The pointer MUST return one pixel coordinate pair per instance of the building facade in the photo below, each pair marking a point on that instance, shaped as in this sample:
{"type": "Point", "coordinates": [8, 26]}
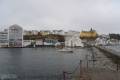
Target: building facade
{"type": "Point", "coordinates": [72, 39]}
{"type": "Point", "coordinates": [34, 39]}
{"type": "Point", "coordinates": [15, 36]}
{"type": "Point", "coordinates": [3, 39]}
{"type": "Point", "coordinates": [88, 37]}
{"type": "Point", "coordinates": [32, 32]}
{"type": "Point", "coordinates": [58, 32]}
{"type": "Point", "coordinates": [50, 42]}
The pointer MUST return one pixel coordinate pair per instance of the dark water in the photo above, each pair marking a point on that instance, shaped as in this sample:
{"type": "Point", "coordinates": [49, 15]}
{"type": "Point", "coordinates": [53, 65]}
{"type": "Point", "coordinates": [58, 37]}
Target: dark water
{"type": "Point", "coordinates": [35, 62]}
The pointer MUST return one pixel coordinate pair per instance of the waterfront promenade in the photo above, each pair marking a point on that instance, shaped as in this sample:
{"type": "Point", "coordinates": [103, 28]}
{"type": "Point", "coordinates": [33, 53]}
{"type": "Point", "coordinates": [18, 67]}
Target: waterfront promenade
{"type": "Point", "coordinates": [95, 65]}
{"type": "Point", "coordinates": [103, 68]}
{"type": "Point", "coordinates": [111, 53]}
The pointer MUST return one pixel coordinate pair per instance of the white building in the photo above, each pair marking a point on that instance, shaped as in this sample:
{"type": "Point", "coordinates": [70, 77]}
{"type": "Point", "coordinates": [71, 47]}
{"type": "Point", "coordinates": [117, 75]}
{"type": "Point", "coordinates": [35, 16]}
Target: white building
{"type": "Point", "coordinates": [32, 32]}
{"type": "Point", "coordinates": [3, 39]}
{"type": "Point", "coordinates": [39, 42]}
{"type": "Point", "coordinates": [102, 40]}
{"type": "Point", "coordinates": [72, 39]}
{"type": "Point", "coordinates": [58, 32]}
{"type": "Point", "coordinates": [26, 43]}
{"type": "Point", "coordinates": [15, 36]}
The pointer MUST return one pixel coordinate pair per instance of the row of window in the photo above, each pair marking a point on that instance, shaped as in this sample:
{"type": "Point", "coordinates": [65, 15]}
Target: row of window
{"type": "Point", "coordinates": [51, 41]}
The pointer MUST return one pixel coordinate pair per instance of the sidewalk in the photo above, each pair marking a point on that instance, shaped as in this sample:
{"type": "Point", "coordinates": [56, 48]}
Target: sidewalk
{"type": "Point", "coordinates": [99, 67]}
{"type": "Point", "coordinates": [102, 74]}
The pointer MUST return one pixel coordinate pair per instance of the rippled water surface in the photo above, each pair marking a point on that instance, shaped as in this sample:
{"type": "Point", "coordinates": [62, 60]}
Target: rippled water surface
{"type": "Point", "coordinates": [37, 61]}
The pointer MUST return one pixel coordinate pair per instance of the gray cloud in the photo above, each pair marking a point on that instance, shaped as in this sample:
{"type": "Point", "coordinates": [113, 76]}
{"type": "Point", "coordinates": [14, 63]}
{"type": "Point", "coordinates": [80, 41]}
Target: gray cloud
{"type": "Point", "coordinates": [103, 15]}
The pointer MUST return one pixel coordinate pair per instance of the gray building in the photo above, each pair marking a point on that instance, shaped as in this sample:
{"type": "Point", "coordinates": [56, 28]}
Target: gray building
{"type": "Point", "coordinates": [3, 39]}
{"type": "Point", "coordinates": [15, 34]}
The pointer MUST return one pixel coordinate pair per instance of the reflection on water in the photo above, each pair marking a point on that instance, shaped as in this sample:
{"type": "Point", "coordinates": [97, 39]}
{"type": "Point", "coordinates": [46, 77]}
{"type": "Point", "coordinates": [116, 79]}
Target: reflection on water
{"type": "Point", "coordinates": [34, 62]}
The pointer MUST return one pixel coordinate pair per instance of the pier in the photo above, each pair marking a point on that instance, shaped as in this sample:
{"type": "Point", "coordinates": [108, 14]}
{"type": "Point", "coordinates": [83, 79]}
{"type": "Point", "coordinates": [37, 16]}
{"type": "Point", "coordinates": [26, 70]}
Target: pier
{"type": "Point", "coordinates": [96, 65]}
{"type": "Point", "coordinates": [112, 54]}
{"type": "Point", "coordinates": [102, 65]}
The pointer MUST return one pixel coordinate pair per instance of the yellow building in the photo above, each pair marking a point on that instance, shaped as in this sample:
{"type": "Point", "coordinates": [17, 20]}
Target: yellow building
{"type": "Point", "coordinates": [88, 35]}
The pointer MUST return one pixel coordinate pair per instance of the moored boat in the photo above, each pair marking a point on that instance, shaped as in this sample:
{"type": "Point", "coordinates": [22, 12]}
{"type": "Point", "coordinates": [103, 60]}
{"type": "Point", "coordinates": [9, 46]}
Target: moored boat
{"type": "Point", "coordinates": [66, 50]}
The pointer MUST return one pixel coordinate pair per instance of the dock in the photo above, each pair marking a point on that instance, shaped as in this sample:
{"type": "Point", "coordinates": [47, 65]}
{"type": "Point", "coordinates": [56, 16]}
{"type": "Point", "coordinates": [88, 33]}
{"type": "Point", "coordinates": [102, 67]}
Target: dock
{"type": "Point", "coordinates": [110, 53]}
{"type": "Point", "coordinates": [98, 64]}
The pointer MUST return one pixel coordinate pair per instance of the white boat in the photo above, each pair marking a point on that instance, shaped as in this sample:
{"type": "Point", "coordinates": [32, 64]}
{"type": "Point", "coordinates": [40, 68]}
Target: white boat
{"type": "Point", "coordinates": [66, 50]}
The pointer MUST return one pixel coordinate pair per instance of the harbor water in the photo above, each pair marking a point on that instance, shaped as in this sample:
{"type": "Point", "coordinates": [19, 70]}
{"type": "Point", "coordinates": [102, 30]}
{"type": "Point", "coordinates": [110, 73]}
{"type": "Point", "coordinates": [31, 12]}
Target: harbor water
{"type": "Point", "coordinates": [37, 62]}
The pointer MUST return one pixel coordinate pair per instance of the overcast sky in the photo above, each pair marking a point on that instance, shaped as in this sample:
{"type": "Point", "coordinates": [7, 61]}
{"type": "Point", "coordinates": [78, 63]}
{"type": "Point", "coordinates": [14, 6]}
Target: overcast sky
{"type": "Point", "coordinates": [102, 15]}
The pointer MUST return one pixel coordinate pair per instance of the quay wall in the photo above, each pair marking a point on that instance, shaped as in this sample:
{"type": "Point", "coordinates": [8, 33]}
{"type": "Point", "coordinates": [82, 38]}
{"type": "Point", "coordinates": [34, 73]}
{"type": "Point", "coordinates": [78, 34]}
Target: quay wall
{"type": "Point", "coordinates": [31, 46]}
{"type": "Point", "coordinates": [112, 54]}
